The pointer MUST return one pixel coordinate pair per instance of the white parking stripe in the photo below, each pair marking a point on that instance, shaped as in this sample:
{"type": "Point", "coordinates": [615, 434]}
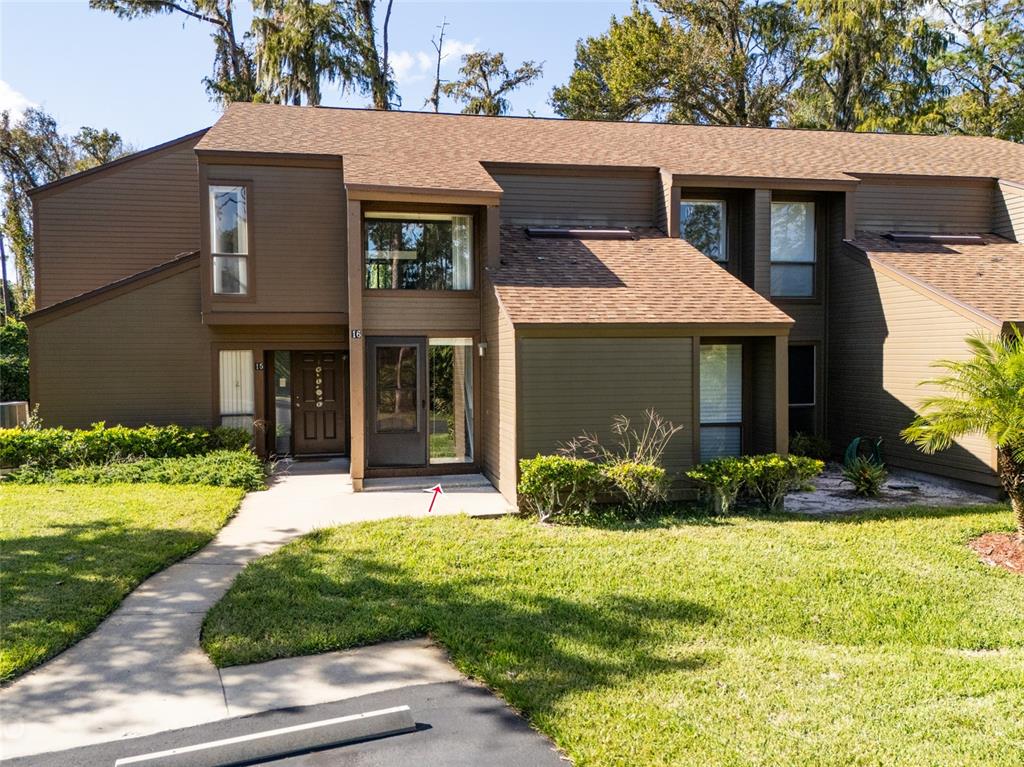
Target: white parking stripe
{"type": "Point", "coordinates": [142, 758]}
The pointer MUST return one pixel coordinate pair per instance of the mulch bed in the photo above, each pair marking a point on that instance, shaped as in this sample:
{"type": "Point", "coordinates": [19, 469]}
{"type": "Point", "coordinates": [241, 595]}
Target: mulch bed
{"type": "Point", "coordinates": [1000, 550]}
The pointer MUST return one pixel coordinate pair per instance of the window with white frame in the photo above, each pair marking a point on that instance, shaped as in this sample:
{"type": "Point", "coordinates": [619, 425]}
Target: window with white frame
{"type": "Point", "coordinates": [237, 388]}
{"type": "Point", "coordinates": [793, 249]}
{"type": "Point", "coordinates": [229, 240]}
{"type": "Point", "coordinates": [419, 251]}
{"type": "Point", "coordinates": [721, 400]}
{"type": "Point", "coordinates": [702, 224]}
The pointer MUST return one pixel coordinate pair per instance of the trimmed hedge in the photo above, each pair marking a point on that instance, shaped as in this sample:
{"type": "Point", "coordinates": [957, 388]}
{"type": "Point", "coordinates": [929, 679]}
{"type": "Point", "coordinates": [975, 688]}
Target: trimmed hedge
{"type": "Point", "coordinates": [553, 486]}
{"type": "Point", "coordinates": [62, 448]}
{"type": "Point", "coordinates": [224, 468]}
{"type": "Point", "coordinates": [766, 478]}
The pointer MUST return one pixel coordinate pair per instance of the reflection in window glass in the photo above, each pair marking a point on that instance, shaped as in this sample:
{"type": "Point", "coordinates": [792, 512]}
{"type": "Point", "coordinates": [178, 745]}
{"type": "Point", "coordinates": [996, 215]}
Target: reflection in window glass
{"type": "Point", "coordinates": [419, 253]}
{"type": "Point", "coordinates": [229, 275]}
{"type": "Point", "coordinates": [229, 239]}
{"type": "Point", "coordinates": [282, 402]}
{"type": "Point", "coordinates": [792, 249]}
{"type": "Point", "coordinates": [396, 389]}
{"type": "Point", "coordinates": [702, 224]}
{"type": "Point", "coordinates": [450, 362]}
{"type": "Point", "coordinates": [721, 400]}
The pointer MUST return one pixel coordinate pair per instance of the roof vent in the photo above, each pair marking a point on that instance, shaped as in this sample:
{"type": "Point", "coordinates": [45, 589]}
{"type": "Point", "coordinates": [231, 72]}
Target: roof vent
{"type": "Point", "coordinates": [945, 239]}
{"type": "Point", "coordinates": [578, 233]}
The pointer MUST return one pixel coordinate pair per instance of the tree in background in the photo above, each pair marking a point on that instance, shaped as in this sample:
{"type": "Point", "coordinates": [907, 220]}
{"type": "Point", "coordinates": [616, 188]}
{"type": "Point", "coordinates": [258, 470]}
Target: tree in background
{"type": "Point", "coordinates": [13, 361]}
{"type": "Point", "coordinates": [486, 80]}
{"type": "Point", "coordinates": [717, 62]}
{"type": "Point", "coordinates": [983, 69]}
{"type": "Point", "coordinates": [34, 152]}
{"type": "Point", "coordinates": [868, 68]}
{"type": "Point", "coordinates": [299, 43]}
{"type": "Point", "coordinates": [234, 68]}
{"type": "Point", "coordinates": [290, 49]}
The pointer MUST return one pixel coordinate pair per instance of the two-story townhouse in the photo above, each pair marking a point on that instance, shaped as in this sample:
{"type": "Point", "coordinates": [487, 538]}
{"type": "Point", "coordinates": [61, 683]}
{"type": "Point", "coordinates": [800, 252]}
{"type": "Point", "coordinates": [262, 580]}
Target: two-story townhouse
{"type": "Point", "coordinates": [441, 293]}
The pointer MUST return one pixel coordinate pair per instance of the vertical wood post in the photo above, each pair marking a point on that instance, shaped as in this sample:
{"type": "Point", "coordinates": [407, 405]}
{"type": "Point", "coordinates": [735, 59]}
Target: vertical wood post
{"type": "Point", "coordinates": [782, 394]}
{"type": "Point", "coordinates": [762, 241]}
{"type": "Point", "coordinates": [356, 346]}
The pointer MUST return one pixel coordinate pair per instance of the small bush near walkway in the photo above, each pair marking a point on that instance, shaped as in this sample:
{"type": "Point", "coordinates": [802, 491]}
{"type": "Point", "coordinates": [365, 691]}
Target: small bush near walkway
{"type": "Point", "coordinates": [224, 468]}
{"type": "Point", "coordinates": [61, 448]}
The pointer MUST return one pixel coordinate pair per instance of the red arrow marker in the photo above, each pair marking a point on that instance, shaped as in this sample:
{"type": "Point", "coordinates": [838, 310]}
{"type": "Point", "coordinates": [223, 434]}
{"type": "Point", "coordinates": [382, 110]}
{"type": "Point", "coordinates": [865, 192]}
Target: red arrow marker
{"type": "Point", "coordinates": [436, 490]}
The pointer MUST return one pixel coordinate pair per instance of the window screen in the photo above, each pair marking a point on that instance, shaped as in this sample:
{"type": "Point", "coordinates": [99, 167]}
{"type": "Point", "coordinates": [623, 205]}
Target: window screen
{"type": "Point", "coordinates": [801, 375]}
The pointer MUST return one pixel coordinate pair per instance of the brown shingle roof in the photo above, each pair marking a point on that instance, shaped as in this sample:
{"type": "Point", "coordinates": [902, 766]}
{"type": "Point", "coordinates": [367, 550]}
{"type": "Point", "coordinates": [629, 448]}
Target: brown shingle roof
{"type": "Point", "coordinates": [986, 278]}
{"type": "Point", "coordinates": [445, 151]}
{"type": "Point", "coordinates": [646, 280]}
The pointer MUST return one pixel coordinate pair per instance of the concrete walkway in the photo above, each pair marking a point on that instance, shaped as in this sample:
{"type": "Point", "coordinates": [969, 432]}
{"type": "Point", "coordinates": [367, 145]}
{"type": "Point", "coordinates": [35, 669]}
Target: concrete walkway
{"type": "Point", "coordinates": [142, 671]}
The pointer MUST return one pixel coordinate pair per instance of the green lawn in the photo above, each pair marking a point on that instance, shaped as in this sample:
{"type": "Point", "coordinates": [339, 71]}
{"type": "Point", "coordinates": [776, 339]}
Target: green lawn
{"type": "Point", "coordinates": [70, 553]}
{"type": "Point", "coordinates": [879, 640]}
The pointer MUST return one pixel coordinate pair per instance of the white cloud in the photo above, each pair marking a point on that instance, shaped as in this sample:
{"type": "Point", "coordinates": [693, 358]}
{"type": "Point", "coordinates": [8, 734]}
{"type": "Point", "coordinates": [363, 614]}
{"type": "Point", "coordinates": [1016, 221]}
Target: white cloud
{"type": "Point", "coordinates": [13, 102]}
{"type": "Point", "coordinates": [417, 66]}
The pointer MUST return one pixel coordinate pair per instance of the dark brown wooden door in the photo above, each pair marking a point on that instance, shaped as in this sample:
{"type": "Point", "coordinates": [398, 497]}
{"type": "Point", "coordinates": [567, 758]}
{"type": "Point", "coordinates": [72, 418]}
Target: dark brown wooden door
{"type": "Point", "coordinates": [318, 402]}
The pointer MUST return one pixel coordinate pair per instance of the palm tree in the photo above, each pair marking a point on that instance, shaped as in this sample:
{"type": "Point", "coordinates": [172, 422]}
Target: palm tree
{"type": "Point", "coordinates": [985, 393]}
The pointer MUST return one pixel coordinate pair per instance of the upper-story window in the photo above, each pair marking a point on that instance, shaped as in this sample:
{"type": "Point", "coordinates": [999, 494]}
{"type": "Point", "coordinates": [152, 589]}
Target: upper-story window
{"type": "Point", "coordinates": [793, 252]}
{"type": "Point", "coordinates": [702, 224]}
{"type": "Point", "coordinates": [229, 240]}
{"type": "Point", "coordinates": [419, 251]}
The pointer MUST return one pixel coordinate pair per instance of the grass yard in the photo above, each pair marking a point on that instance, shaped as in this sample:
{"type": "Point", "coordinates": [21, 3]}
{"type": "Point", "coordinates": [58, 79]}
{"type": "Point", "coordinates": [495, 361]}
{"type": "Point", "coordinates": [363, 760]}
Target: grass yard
{"type": "Point", "coordinates": [70, 553]}
{"type": "Point", "coordinates": [879, 640]}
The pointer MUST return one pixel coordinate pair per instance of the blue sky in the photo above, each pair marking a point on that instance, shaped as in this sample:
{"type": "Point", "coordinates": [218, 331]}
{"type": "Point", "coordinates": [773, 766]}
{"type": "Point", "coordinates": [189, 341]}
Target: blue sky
{"type": "Point", "coordinates": [142, 78]}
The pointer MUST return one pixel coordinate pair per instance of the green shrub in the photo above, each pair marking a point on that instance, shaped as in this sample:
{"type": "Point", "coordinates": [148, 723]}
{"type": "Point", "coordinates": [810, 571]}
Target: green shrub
{"type": "Point", "coordinates": [720, 480]}
{"type": "Point", "coordinates": [770, 477]}
{"type": "Point", "coordinates": [640, 486]}
{"type": "Point", "coordinates": [553, 486]}
{"type": "Point", "coordinates": [225, 468]}
{"type": "Point", "coordinates": [13, 361]}
{"type": "Point", "coordinates": [62, 448]}
{"type": "Point", "coordinates": [866, 476]}
{"type": "Point", "coordinates": [810, 446]}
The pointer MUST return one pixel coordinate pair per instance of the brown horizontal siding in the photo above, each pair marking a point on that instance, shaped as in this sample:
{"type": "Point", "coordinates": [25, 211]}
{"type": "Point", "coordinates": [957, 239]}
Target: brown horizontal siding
{"type": "Point", "coordinates": [111, 225]}
{"type": "Point", "coordinates": [883, 338]}
{"type": "Point", "coordinates": [140, 357]}
{"type": "Point", "coordinates": [298, 231]}
{"type": "Point", "coordinates": [498, 394]}
{"type": "Point", "coordinates": [943, 207]}
{"type": "Point", "coordinates": [410, 311]}
{"type": "Point", "coordinates": [580, 200]}
{"type": "Point", "coordinates": [1008, 220]}
{"type": "Point", "coordinates": [568, 385]}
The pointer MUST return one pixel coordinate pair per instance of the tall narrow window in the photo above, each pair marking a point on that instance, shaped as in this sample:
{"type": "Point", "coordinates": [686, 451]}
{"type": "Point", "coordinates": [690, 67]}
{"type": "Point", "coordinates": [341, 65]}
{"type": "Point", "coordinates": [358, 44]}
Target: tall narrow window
{"type": "Point", "coordinates": [702, 224]}
{"type": "Point", "coordinates": [793, 251]}
{"type": "Point", "coordinates": [237, 389]}
{"type": "Point", "coordinates": [802, 385]}
{"type": "Point", "coordinates": [721, 400]}
{"type": "Point", "coordinates": [229, 240]}
{"type": "Point", "coordinates": [451, 400]}
{"type": "Point", "coordinates": [419, 251]}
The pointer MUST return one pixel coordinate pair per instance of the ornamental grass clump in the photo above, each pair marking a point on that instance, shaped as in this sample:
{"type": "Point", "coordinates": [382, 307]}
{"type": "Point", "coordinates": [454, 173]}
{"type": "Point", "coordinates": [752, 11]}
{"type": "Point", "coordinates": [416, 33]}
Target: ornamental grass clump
{"type": "Point", "coordinates": [632, 464]}
{"type": "Point", "coordinates": [866, 475]}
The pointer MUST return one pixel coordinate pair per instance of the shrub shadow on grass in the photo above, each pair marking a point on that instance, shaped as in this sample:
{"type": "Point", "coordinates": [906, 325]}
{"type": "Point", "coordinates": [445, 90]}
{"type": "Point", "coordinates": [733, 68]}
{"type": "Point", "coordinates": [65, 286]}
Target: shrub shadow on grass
{"type": "Point", "coordinates": [894, 513]}
{"type": "Point", "coordinates": [59, 587]}
{"type": "Point", "coordinates": [537, 648]}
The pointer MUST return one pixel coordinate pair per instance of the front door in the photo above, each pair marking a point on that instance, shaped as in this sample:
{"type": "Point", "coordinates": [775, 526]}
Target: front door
{"type": "Point", "coordinates": [396, 401]}
{"type": "Point", "coordinates": [318, 403]}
